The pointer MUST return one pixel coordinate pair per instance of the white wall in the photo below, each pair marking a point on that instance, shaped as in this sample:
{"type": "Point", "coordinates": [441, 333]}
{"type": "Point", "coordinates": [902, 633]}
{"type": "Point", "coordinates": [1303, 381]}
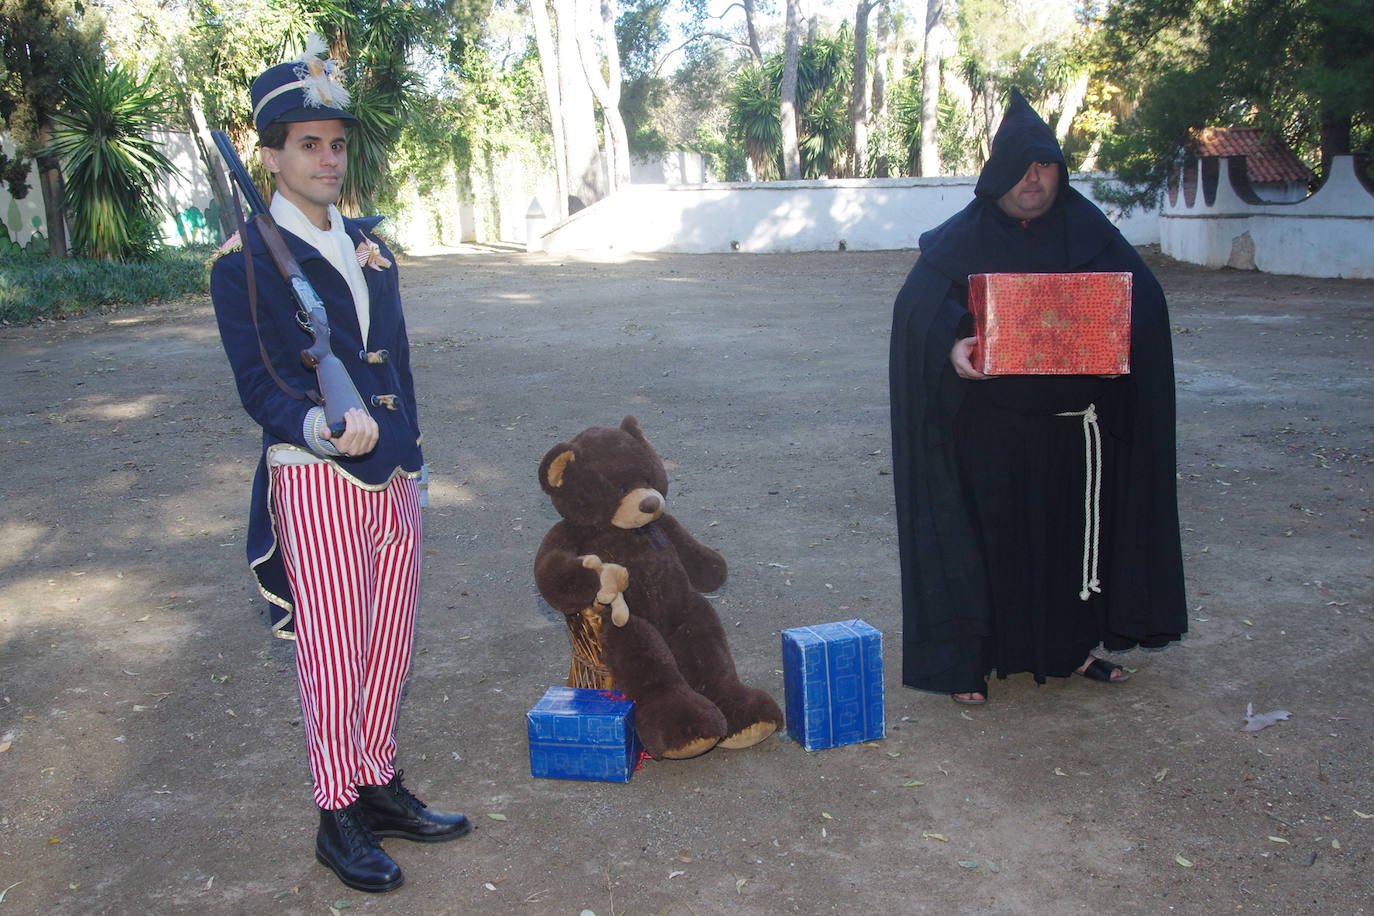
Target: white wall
{"type": "Point", "coordinates": [188, 188]}
{"type": "Point", "coordinates": [672, 167]}
{"type": "Point", "coordinates": [1330, 234]}
{"type": "Point", "coordinates": [187, 193]}
{"type": "Point", "coordinates": [858, 214]}
{"type": "Point", "coordinates": [19, 215]}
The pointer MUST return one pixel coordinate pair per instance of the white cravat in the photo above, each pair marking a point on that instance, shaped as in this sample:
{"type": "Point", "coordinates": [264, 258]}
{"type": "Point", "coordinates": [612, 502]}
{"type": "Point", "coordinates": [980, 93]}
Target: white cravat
{"type": "Point", "coordinates": [336, 247]}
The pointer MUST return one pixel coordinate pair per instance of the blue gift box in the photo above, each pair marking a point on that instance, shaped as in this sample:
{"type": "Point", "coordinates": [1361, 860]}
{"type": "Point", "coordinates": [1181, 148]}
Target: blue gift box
{"type": "Point", "coordinates": [833, 676]}
{"type": "Point", "coordinates": [583, 734]}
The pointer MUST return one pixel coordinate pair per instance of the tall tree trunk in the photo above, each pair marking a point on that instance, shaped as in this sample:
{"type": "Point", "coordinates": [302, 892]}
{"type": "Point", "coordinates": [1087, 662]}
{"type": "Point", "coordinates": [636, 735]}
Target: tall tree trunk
{"type": "Point", "coordinates": [882, 166]}
{"type": "Point", "coordinates": [585, 184]}
{"type": "Point", "coordinates": [858, 92]}
{"type": "Point", "coordinates": [787, 108]}
{"type": "Point", "coordinates": [929, 162]}
{"type": "Point", "coordinates": [750, 15]}
{"type": "Point", "coordinates": [606, 89]}
{"type": "Point", "coordinates": [1089, 163]}
{"type": "Point", "coordinates": [1335, 139]}
{"type": "Point", "coordinates": [54, 193]}
{"type": "Point", "coordinates": [493, 177]}
{"type": "Point", "coordinates": [548, 66]}
{"type": "Point", "coordinates": [985, 99]}
{"type": "Point", "coordinates": [219, 187]}
{"type": "Point", "coordinates": [614, 81]}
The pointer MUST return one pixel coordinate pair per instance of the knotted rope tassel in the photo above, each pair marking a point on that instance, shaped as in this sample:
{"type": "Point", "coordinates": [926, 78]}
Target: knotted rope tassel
{"type": "Point", "coordinates": [1092, 498]}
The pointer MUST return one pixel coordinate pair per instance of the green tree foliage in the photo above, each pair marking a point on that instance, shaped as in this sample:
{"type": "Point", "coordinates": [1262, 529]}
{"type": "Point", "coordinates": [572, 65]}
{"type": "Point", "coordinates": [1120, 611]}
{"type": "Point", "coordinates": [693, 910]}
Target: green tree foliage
{"type": "Point", "coordinates": [502, 94]}
{"type": "Point", "coordinates": [684, 109]}
{"type": "Point", "coordinates": [955, 135]}
{"type": "Point", "coordinates": [641, 31]}
{"type": "Point", "coordinates": [14, 173]}
{"type": "Point", "coordinates": [375, 39]}
{"type": "Point", "coordinates": [824, 72]}
{"type": "Point", "coordinates": [1028, 44]}
{"type": "Point", "coordinates": [112, 168]}
{"type": "Point", "coordinates": [696, 113]}
{"type": "Point", "coordinates": [753, 103]}
{"type": "Point", "coordinates": [476, 121]}
{"type": "Point", "coordinates": [214, 49]}
{"type": "Point", "coordinates": [41, 41]}
{"type": "Point", "coordinates": [1301, 68]}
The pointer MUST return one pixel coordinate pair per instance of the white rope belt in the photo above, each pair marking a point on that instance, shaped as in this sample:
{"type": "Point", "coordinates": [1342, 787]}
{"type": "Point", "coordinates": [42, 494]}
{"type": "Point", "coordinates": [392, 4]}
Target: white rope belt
{"type": "Point", "coordinates": [1092, 498]}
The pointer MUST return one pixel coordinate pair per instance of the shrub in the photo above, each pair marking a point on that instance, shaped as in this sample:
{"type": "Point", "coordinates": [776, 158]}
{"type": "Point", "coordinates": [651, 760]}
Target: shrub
{"type": "Point", "coordinates": [34, 288]}
{"type": "Point", "coordinates": [112, 168]}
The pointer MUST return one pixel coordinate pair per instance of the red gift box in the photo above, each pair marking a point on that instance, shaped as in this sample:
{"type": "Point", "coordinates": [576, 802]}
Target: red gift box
{"type": "Point", "coordinates": [1051, 324]}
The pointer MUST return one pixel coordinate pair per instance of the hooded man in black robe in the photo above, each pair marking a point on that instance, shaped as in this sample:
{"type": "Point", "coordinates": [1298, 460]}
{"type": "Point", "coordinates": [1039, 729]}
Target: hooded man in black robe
{"type": "Point", "coordinates": [1014, 556]}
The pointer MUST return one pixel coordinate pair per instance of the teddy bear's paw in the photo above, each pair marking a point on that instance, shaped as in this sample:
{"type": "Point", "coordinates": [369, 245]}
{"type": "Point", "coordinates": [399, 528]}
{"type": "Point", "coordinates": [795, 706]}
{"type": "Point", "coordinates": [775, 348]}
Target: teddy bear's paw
{"type": "Point", "coordinates": [612, 579]}
{"type": "Point", "coordinates": [691, 749]}
{"type": "Point", "coordinates": [748, 737]}
{"type": "Point", "coordinates": [677, 723]}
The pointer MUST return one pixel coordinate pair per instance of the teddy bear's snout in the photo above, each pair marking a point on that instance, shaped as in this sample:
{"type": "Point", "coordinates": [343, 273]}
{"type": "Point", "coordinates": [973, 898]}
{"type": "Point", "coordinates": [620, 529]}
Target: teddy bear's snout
{"type": "Point", "coordinates": [638, 508]}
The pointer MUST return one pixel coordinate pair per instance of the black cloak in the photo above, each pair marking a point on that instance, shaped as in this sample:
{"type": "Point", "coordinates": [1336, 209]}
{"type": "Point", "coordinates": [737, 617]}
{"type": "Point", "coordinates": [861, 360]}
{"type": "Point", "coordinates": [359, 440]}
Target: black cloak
{"type": "Point", "coordinates": [947, 603]}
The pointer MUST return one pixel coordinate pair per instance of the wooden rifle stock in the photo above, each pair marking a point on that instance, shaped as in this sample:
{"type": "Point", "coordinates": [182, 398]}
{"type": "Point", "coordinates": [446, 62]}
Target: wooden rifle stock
{"type": "Point", "coordinates": [337, 391]}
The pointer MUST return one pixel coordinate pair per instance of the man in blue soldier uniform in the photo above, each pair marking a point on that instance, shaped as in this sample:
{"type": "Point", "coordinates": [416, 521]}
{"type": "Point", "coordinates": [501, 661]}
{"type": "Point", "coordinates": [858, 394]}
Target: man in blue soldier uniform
{"type": "Point", "coordinates": [334, 535]}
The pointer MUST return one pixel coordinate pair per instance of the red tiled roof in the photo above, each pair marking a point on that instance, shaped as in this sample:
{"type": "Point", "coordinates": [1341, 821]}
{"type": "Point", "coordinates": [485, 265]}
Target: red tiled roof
{"type": "Point", "coordinates": [1266, 156]}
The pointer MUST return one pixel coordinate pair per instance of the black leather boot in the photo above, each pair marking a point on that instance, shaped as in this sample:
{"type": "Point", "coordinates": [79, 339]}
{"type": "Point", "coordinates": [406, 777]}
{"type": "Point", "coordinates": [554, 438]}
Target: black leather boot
{"type": "Point", "coordinates": [346, 846]}
{"type": "Point", "coordinates": [391, 810]}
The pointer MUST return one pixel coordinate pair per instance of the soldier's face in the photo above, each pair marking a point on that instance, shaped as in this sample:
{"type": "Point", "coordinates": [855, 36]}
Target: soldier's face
{"type": "Point", "coordinates": [309, 168]}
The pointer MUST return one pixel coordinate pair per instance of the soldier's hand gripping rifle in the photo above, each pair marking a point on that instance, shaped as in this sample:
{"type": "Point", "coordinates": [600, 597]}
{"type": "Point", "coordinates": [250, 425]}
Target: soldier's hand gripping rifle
{"type": "Point", "coordinates": [337, 393]}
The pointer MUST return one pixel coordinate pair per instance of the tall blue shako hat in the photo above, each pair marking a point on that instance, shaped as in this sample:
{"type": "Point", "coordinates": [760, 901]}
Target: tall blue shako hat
{"type": "Point", "coordinates": [309, 88]}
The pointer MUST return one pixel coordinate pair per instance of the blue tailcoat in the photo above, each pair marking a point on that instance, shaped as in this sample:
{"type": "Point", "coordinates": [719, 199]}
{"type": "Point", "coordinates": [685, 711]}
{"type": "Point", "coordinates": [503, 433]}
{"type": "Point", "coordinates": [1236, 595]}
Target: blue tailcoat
{"type": "Point", "coordinates": [281, 416]}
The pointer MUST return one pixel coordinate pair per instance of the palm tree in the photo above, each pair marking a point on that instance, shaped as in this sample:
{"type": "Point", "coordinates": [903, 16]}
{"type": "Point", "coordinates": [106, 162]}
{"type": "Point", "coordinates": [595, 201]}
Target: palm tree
{"type": "Point", "coordinates": [754, 122]}
{"type": "Point", "coordinates": [824, 76]}
{"type": "Point", "coordinates": [824, 73]}
{"type": "Point", "coordinates": [112, 168]}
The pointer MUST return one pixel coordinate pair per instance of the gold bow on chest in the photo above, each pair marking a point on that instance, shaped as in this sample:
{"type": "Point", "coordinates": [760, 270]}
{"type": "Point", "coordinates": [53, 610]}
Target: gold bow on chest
{"type": "Point", "coordinates": [370, 255]}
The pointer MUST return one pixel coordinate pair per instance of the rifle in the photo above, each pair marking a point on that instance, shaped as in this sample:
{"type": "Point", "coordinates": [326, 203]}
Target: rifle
{"type": "Point", "coordinates": [337, 393]}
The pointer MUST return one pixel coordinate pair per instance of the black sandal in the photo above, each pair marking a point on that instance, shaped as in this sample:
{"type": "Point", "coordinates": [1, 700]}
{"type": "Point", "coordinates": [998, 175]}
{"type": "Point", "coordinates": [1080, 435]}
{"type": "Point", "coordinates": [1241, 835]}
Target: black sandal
{"type": "Point", "coordinates": [1099, 669]}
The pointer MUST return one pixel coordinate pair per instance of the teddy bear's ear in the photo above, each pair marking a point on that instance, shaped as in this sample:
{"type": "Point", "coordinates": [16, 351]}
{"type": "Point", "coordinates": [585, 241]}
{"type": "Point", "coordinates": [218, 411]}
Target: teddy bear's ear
{"type": "Point", "coordinates": [631, 426]}
{"type": "Point", "coordinates": [554, 466]}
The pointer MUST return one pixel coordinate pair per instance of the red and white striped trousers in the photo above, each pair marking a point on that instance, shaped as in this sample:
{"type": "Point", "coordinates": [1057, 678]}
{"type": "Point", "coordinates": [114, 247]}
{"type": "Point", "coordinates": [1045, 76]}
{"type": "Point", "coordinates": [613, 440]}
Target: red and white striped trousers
{"type": "Point", "coordinates": [352, 557]}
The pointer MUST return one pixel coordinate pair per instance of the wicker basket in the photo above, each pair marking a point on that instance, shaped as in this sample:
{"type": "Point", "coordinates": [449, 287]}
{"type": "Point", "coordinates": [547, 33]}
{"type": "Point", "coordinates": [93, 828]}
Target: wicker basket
{"type": "Point", "coordinates": [584, 632]}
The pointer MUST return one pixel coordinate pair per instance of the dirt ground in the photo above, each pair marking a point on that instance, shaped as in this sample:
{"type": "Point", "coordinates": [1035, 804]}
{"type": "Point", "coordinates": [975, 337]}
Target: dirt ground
{"type": "Point", "coordinates": [151, 757]}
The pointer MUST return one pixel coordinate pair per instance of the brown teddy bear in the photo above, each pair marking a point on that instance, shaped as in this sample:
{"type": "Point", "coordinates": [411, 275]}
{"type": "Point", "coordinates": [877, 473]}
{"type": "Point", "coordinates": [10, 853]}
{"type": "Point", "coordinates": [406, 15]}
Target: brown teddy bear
{"type": "Point", "coordinates": [660, 638]}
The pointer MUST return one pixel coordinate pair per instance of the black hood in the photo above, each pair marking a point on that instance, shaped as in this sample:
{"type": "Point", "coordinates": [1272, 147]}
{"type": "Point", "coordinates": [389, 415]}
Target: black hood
{"type": "Point", "coordinates": [1022, 138]}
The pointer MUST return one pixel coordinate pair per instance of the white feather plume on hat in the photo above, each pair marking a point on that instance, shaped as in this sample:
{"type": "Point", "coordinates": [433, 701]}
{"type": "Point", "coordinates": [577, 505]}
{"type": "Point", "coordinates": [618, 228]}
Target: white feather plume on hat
{"type": "Point", "coordinates": [321, 76]}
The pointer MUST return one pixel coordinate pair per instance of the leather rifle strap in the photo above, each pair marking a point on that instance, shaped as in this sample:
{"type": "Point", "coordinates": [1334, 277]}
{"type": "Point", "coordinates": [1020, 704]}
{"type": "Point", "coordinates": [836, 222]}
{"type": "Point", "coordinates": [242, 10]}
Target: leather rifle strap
{"type": "Point", "coordinates": [253, 308]}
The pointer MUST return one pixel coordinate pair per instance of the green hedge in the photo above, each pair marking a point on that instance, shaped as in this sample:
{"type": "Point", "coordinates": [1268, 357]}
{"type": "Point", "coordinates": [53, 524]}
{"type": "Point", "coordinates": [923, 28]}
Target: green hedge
{"type": "Point", "coordinates": [33, 287]}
